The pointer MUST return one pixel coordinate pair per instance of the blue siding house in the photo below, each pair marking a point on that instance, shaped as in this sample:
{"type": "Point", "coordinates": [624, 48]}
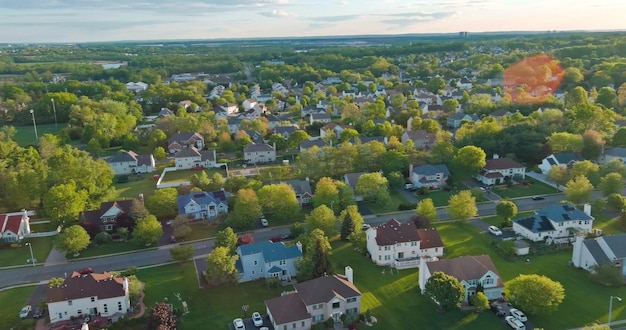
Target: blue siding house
{"type": "Point", "coordinates": [203, 205]}
{"type": "Point", "coordinates": [267, 259]}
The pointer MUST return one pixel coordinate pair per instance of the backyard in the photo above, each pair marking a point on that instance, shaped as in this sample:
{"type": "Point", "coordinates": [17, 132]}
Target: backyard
{"type": "Point", "coordinates": [11, 301]}
{"type": "Point", "coordinates": [396, 201]}
{"type": "Point", "coordinates": [185, 175]}
{"type": "Point", "coordinates": [135, 186]}
{"type": "Point", "coordinates": [25, 135]}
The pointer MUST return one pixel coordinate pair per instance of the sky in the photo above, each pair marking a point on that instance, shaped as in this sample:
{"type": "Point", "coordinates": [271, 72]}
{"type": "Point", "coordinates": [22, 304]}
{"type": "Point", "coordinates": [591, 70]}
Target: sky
{"type": "Point", "coordinates": [69, 21]}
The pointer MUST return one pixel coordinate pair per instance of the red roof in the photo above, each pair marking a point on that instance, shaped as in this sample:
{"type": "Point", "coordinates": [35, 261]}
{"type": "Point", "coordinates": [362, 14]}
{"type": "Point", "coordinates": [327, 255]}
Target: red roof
{"type": "Point", "coordinates": [502, 164]}
{"type": "Point", "coordinates": [393, 232]}
{"type": "Point", "coordinates": [10, 223]}
{"type": "Point", "coordinates": [429, 238]}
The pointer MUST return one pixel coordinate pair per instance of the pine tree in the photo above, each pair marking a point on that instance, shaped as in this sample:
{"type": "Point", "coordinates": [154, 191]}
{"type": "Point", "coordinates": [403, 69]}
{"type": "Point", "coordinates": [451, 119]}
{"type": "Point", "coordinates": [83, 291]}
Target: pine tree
{"type": "Point", "coordinates": [347, 227]}
{"type": "Point", "coordinates": [319, 254]}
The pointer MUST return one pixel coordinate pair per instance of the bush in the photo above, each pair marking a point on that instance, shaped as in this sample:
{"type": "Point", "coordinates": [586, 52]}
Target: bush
{"type": "Point", "coordinates": [330, 322]}
{"type": "Point", "coordinates": [425, 191]}
{"type": "Point", "coordinates": [407, 206]}
{"type": "Point", "coordinates": [506, 249]}
{"type": "Point", "coordinates": [506, 224]}
{"type": "Point", "coordinates": [607, 274]}
{"type": "Point", "coordinates": [103, 238]}
{"type": "Point", "coordinates": [130, 271]}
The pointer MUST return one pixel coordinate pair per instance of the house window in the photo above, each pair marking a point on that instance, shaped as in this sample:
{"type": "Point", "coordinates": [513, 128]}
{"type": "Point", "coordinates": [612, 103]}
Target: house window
{"type": "Point", "coordinates": [387, 257]}
{"type": "Point", "coordinates": [380, 248]}
{"type": "Point", "coordinates": [255, 262]}
{"type": "Point", "coordinates": [413, 243]}
{"type": "Point", "coordinates": [352, 311]}
{"type": "Point", "coordinates": [285, 327]}
{"type": "Point", "coordinates": [302, 324]}
{"type": "Point", "coordinates": [293, 325]}
{"type": "Point", "coordinates": [351, 300]}
{"type": "Point", "coordinates": [380, 258]}
{"type": "Point", "coordinates": [488, 280]}
{"type": "Point", "coordinates": [317, 318]}
{"type": "Point", "coordinates": [69, 303]}
{"type": "Point", "coordinates": [106, 308]}
{"type": "Point", "coordinates": [282, 262]}
{"type": "Point", "coordinates": [252, 272]}
{"type": "Point", "coordinates": [119, 305]}
{"type": "Point", "coordinates": [80, 311]}
{"type": "Point", "coordinates": [93, 299]}
{"type": "Point", "coordinates": [108, 227]}
{"type": "Point", "coordinates": [336, 305]}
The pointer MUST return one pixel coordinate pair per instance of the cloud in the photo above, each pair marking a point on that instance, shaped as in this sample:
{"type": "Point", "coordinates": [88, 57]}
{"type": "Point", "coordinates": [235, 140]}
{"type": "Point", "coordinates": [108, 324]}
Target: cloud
{"type": "Point", "coordinates": [279, 13]}
{"type": "Point", "coordinates": [404, 19]}
{"type": "Point", "coordinates": [339, 18]}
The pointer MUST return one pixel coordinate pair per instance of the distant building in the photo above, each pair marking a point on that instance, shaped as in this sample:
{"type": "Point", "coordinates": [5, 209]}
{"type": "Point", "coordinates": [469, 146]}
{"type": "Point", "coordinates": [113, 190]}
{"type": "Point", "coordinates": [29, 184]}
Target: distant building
{"type": "Point", "coordinates": [130, 162]}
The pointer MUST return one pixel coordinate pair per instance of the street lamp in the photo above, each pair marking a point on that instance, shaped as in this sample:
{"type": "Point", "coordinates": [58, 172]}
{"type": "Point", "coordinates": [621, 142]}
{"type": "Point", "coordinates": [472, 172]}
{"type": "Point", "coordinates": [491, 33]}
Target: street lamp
{"type": "Point", "coordinates": [611, 307]}
{"type": "Point", "coordinates": [32, 112]}
{"type": "Point", "coordinates": [54, 109]}
{"type": "Point", "coordinates": [32, 258]}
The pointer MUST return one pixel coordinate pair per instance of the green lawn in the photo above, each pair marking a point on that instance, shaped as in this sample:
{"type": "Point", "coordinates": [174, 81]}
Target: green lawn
{"type": "Point", "coordinates": [109, 248]}
{"type": "Point", "coordinates": [19, 255]}
{"type": "Point", "coordinates": [609, 225]}
{"type": "Point", "coordinates": [132, 189]}
{"type": "Point", "coordinates": [535, 188]}
{"type": "Point", "coordinates": [201, 230]}
{"type": "Point", "coordinates": [185, 175]}
{"type": "Point", "coordinates": [497, 221]}
{"type": "Point", "coordinates": [440, 197]}
{"type": "Point", "coordinates": [11, 301]}
{"type": "Point", "coordinates": [396, 200]}
{"type": "Point", "coordinates": [25, 135]}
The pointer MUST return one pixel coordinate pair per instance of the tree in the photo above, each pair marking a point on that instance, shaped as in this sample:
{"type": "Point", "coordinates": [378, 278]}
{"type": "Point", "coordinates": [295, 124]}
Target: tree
{"type": "Point", "coordinates": [611, 183]}
{"type": "Point", "coordinates": [444, 289]}
{"type": "Point", "coordinates": [563, 141]}
{"type": "Point", "coordinates": [480, 301]}
{"type": "Point", "coordinates": [592, 144]}
{"type": "Point", "coordinates": [55, 282]}
{"type": "Point", "coordinates": [559, 175]}
{"type": "Point", "coordinates": [322, 218]}
{"type": "Point", "coordinates": [578, 190]}
{"type": "Point", "coordinates": [220, 266]}
{"type": "Point", "coordinates": [157, 138]}
{"type": "Point", "coordinates": [148, 230]}
{"type": "Point", "coordinates": [436, 84]}
{"type": "Point", "coordinates": [319, 247]}
{"type": "Point", "coordinates": [181, 226]}
{"type": "Point", "coordinates": [278, 201]}
{"type": "Point", "coordinates": [535, 294]}
{"type": "Point", "coordinates": [72, 240]}
{"type": "Point", "coordinates": [607, 274]}
{"type": "Point", "coordinates": [326, 193]}
{"type": "Point", "coordinates": [373, 187]}
{"type": "Point", "coordinates": [471, 157]}
{"type": "Point", "coordinates": [63, 203]}
{"type": "Point", "coordinates": [159, 153]}
{"type": "Point", "coordinates": [246, 210]}
{"type": "Point", "coordinates": [462, 205]}
{"type": "Point", "coordinates": [506, 209]}
{"type": "Point", "coordinates": [138, 210]}
{"type": "Point", "coordinates": [161, 318]}
{"type": "Point", "coordinates": [607, 97]}
{"type": "Point", "coordinates": [163, 203]}
{"type": "Point", "coordinates": [226, 238]}
{"type": "Point", "coordinates": [426, 208]}
{"type": "Point", "coordinates": [181, 253]}
{"type": "Point", "coordinates": [450, 104]}
{"type": "Point", "coordinates": [351, 221]}
{"type": "Point", "coordinates": [616, 201]}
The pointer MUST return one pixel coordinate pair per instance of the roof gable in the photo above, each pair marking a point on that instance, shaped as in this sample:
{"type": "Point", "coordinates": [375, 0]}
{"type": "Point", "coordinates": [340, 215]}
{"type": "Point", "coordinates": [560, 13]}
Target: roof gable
{"type": "Point", "coordinates": [393, 232]}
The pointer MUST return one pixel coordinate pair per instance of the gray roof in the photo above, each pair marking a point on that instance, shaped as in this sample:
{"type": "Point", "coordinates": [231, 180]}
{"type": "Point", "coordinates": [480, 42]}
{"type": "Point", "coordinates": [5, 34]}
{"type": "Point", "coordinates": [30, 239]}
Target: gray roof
{"type": "Point", "coordinates": [617, 243]}
{"type": "Point", "coordinates": [615, 152]}
{"type": "Point", "coordinates": [542, 220]}
{"type": "Point", "coordinates": [353, 178]}
{"type": "Point", "coordinates": [271, 251]}
{"type": "Point", "coordinates": [300, 186]}
{"type": "Point", "coordinates": [596, 251]}
{"type": "Point", "coordinates": [428, 169]}
{"type": "Point", "coordinates": [187, 152]}
{"type": "Point", "coordinates": [567, 157]}
{"type": "Point", "coordinates": [184, 136]}
{"type": "Point", "coordinates": [306, 144]}
{"type": "Point", "coordinates": [320, 116]}
{"type": "Point", "coordinates": [122, 157]}
{"type": "Point", "coordinates": [254, 147]}
{"type": "Point", "coordinates": [207, 154]}
{"type": "Point", "coordinates": [284, 129]}
{"type": "Point", "coordinates": [462, 116]}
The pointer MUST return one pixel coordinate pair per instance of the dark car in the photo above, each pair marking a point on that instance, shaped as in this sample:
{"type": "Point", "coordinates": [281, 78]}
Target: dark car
{"type": "Point", "coordinates": [85, 271]}
{"type": "Point", "coordinates": [537, 198]}
{"type": "Point", "coordinates": [276, 239]}
{"type": "Point", "coordinates": [38, 313]}
{"type": "Point", "coordinates": [499, 310]}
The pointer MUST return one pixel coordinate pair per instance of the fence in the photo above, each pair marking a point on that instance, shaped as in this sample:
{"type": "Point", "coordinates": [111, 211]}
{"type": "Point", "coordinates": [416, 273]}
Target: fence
{"type": "Point", "coordinates": [160, 185]}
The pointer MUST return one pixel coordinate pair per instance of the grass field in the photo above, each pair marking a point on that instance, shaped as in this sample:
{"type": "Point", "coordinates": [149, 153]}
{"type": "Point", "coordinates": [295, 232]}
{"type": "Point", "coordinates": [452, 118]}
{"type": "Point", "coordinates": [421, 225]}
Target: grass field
{"type": "Point", "coordinates": [25, 135]}
{"type": "Point", "coordinates": [132, 189]}
{"type": "Point", "coordinates": [535, 188]}
{"type": "Point", "coordinates": [185, 175]}
{"type": "Point", "coordinates": [109, 248]}
{"type": "Point", "coordinates": [11, 301]}
{"type": "Point", "coordinates": [19, 255]}
{"type": "Point", "coordinates": [497, 221]}
{"type": "Point", "coordinates": [396, 200]}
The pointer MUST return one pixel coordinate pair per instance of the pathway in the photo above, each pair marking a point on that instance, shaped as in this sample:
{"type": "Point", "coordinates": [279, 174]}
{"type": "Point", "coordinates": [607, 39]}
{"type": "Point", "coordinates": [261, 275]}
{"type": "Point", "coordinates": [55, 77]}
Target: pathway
{"type": "Point", "coordinates": [142, 306]}
{"type": "Point", "coordinates": [55, 257]}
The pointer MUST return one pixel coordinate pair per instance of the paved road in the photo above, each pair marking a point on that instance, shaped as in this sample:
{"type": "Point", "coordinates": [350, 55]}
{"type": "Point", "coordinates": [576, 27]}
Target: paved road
{"type": "Point", "coordinates": [29, 275]}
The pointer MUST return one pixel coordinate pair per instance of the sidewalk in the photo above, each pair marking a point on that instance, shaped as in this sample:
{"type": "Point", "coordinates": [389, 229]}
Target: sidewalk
{"type": "Point", "coordinates": [613, 323]}
{"type": "Point", "coordinates": [542, 178]}
{"type": "Point", "coordinates": [55, 258]}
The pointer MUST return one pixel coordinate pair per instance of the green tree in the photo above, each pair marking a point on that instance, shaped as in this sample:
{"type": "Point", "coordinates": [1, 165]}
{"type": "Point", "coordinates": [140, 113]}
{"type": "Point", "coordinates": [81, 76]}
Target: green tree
{"type": "Point", "coordinates": [592, 144]}
{"type": "Point", "coordinates": [506, 209]}
{"type": "Point", "coordinates": [278, 201]}
{"type": "Point", "coordinates": [373, 187]}
{"type": "Point", "coordinates": [163, 203]}
{"type": "Point", "coordinates": [578, 190]}
{"type": "Point", "coordinates": [462, 205]}
{"type": "Point", "coordinates": [616, 202]}
{"type": "Point", "coordinates": [63, 203]}
{"type": "Point", "coordinates": [619, 138]}
{"type": "Point", "coordinates": [445, 290]}
{"type": "Point", "coordinates": [138, 210]}
{"type": "Point", "coordinates": [450, 104]}
{"type": "Point", "coordinates": [471, 157]}
{"type": "Point", "coordinates": [426, 208]}
{"type": "Point", "coordinates": [393, 161]}
{"type": "Point", "coordinates": [220, 266]}
{"type": "Point", "coordinates": [319, 247]}
{"type": "Point", "coordinates": [611, 183]}
{"type": "Point", "coordinates": [351, 221]}
{"type": "Point", "coordinates": [480, 301]}
{"type": "Point", "coordinates": [157, 138]}
{"type": "Point", "coordinates": [227, 238]}
{"type": "Point", "coordinates": [159, 153]}
{"type": "Point", "coordinates": [607, 97]}
{"type": "Point", "coordinates": [326, 193]}
{"type": "Point", "coordinates": [72, 240]}
{"type": "Point", "coordinates": [559, 175]}
{"type": "Point", "coordinates": [246, 210]}
{"type": "Point", "coordinates": [563, 141]}
{"type": "Point", "coordinates": [608, 274]}
{"type": "Point", "coordinates": [322, 218]}
{"type": "Point", "coordinates": [535, 294]}
{"type": "Point", "coordinates": [148, 230]}
{"type": "Point", "coordinates": [436, 84]}
{"type": "Point", "coordinates": [181, 253]}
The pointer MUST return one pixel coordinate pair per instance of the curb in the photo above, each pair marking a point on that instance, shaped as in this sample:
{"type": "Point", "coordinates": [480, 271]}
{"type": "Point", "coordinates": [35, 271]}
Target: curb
{"type": "Point", "coordinates": [111, 255]}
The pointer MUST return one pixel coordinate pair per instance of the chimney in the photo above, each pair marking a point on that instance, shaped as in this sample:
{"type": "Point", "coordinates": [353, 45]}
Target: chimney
{"type": "Point", "coordinates": [587, 209]}
{"type": "Point", "coordinates": [411, 173]}
{"type": "Point", "coordinates": [299, 245]}
{"type": "Point", "coordinates": [349, 274]}
{"type": "Point", "coordinates": [496, 156]}
{"type": "Point", "coordinates": [25, 221]}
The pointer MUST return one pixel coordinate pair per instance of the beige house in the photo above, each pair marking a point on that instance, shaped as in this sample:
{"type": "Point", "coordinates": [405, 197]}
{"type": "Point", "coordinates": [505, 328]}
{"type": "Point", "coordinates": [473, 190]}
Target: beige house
{"type": "Point", "coordinates": [498, 170]}
{"type": "Point", "coordinates": [259, 153]}
{"type": "Point", "coordinates": [315, 301]}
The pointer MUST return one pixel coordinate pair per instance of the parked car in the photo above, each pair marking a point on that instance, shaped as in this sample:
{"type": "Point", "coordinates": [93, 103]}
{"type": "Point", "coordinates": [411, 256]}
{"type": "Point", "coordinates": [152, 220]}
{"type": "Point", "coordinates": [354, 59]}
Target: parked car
{"type": "Point", "coordinates": [518, 314]}
{"type": "Point", "coordinates": [38, 313]}
{"type": "Point", "coordinates": [25, 311]}
{"type": "Point", "coordinates": [257, 319]}
{"type": "Point", "coordinates": [264, 222]}
{"type": "Point", "coordinates": [85, 271]}
{"type": "Point", "coordinates": [498, 309]}
{"type": "Point", "coordinates": [515, 323]}
{"type": "Point", "coordinates": [537, 198]}
{"type": "Point", "coordinates": [365, 227]}
{"type": "Point", "coordinates": [276, 239]}
{"type": "Point", "coordinates": [408, 186]}
{"type": "Point", "coordinates": [169, 222]}
{"type": "Point", "coordinates": [238, 324]}
{"type": "Point", "coordinates": [495, 231]}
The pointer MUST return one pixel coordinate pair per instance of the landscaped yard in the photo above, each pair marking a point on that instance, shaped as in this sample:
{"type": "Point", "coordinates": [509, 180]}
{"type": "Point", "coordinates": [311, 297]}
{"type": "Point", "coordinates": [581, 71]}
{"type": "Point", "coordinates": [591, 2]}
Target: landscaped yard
{"type": "Point", "coordinates": [25, 135]}
{"type": "Point", "coordinates": [396, 200]}
{"type": "Point", "coordinates": [19, 255]}
{"type": "Point", "coordinates": [185, 175]}
{"type": "Point", "coordinates": [535, 188]}
{"type": "Point", "coordinates": [110, 248]}
{"type": "Point", "coordinates": [133, 188]}
{"type": "Point", "coordinates": [11, 301]}
{"type": "Point", "coordinates": [440, 197]}
{"type": "Point", "coordinates": [609, 224]}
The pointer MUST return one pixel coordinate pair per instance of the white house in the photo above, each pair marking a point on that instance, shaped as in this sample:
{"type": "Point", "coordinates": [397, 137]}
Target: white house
{"type": "Point", "coordinates": [130, 162]}
{"type": "Point", "coordinates": [592, 252]}
{"type": "Point", "coordinates": [193, 158]}
{"type": "Point", "coordinates": [261, 153]}
{"type": "Point", "coordinates": [498, 170]}
{"type": "Point", "coordinates": [88, 294]}
{"type": "Point", "coordinates": [561, 159]}
{"type": "Point", "coordinates": [469, 270]}
{"type": "Point", "coordinates": [14, 226]}
{"type": "Point", "coordinates": [136, 87]}
{"type": "Point", "coordinates": [554, 223]}
{"type": "Point", "coordinates": [401, 244]}
{"type": "Point", "coordinates": [203, 205]}
{"type": "Point", "coordinates": [315, 301]}
{"type": "Point", "coordinates": [267, 259]}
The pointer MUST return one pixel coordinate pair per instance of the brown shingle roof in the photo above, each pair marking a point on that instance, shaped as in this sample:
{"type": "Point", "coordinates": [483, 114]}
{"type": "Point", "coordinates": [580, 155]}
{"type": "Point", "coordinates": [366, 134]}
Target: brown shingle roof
{"type": "Point", "coordinates": [502, 164]}
{"type": "Point", "coordinates": [393, 232]}
{"type": "Point", "coordinates": [465, 268]}
{"type": "Point", "coordinates": [323, 289]}
{"type": "Point", "coordinates": [429, 238]}
{"type": "Point", "coordinates": [79, 286]}
{"type": "Point", "coordinates": [288, 308]}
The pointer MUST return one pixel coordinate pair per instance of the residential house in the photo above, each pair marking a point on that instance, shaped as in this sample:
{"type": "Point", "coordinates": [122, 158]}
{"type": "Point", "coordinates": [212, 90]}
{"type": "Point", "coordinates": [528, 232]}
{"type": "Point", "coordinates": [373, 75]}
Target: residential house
{"type": "Point", "coordinates": [88, 294]}
{"type": "Point", "coordinates": [427, 175]}
{"type": "Point", "coordinates": [334, 128]}
{"type": "Point", "coordinates": [303, 191]}
{"type": "Point", "coordinates": [216, 92]}
{"type": "Point", "coordinates": [470, 271]}
{"type": "Point", "coordinates": [253, 113]}
{"type": "Point", "coordinates": [315, 301]}
{"type": "Point", "coordinates": [448, 90]}
{"type": "Point", "coordinates": [555, 223]}
{"type": "Point", "coordinates": [592, 252]}
{"type": "Point", "coordinates": [259, 153]}
{"type": "Point", "coordinates": [186, 104]}
{"type": "Point", "coordinates": [180, 141]}
{"type": "Point", "coordinates": [130, 162]}
{"type": "Point", "coordinates": [249, 104]}
{"type": "Point", "coordinates": [319, 118]}
{"type": "Point", "coordinates": [233, 125]}
{"type": "Point", "coordinates": [499, 114]}
{"type": "Point", "coordinates": [610, 154]}
{"type": "Point", "coordinates": [203, 205]}
{"type": "Point", "coordinates": [285, 131]}
{"type": "Point", "coordinates": [136, 87]}
{"type": "Point", "coordinates": [400, 245]}
{"type": "Point", "coordinates": [307, 144]}
{"type": "Point", "coordinates": [499, 170]}
{"type": "Point", "coordinates": [561, 159]}
{"type": "Point", "coordinates": [164, 112]}
{"type": "Point", "coordinates": [231, 109]}
{"type": "Point", "coordinates": [267, 259]}
{"type": "Point", "coordinates": [255, 136]}
{"type": "Point", "coordinates": [193, 158]}
{"type": "Point", "coordinates": [351, 179]}
{"type": "Point", "coordinates": [456, 120]}
{"type": "Point", "coordinates": [109, 217]}
{"type": "Point", "coordinates": [310, 110]}
{"type": "Point", "coordinates": [332, 81]}
{"type": "Point", "coordinates": [14, 226]}
{"type": "Point", "coordinates": [273, 121]}
{"type": "Point", "coordinates": [465, 84]}
{"type": "Point", "coordinates": [421, 139]}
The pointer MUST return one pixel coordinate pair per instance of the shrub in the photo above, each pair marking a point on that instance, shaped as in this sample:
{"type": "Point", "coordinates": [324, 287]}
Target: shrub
{"type": "Point", "coordinates": [103, 238]}
{"type": "Point", "coordinates": [506, 249]}
{"type": "Point", "coordinates": [607, 274]}
{"type": "Point", "coordinates": [407, 206]}
{"type": "Point", "coordinates": [330, 322]}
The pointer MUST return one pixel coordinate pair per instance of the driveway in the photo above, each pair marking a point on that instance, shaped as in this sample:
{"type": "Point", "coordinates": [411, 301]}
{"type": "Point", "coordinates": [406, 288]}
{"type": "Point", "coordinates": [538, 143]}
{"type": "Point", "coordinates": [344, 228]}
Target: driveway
{"type": "Point", "coordinates": [407, 195]}
{"type": "Point", "coordinates": [250, 325]}
{"type": "Point", "coordinates": [481, 225]}
{"type": "Point", "coordinates": [486, 192]}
